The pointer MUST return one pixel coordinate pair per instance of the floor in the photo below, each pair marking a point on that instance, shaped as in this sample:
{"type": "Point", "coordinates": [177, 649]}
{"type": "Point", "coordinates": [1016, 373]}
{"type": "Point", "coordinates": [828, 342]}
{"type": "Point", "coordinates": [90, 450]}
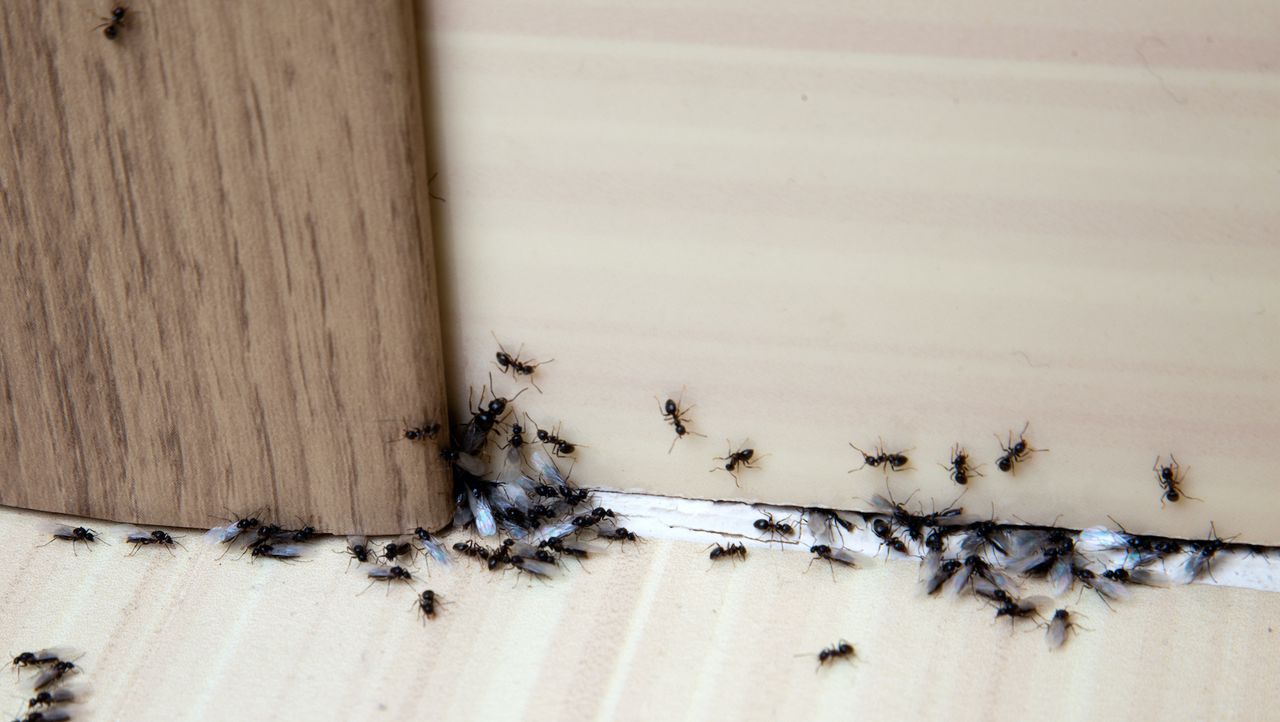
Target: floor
{"type": "Point", "coordinates": [650, 631]}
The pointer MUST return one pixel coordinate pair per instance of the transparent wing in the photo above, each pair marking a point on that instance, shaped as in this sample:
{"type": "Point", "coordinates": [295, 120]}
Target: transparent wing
{"type": "Point", "coordinates": [1056, 632]}
{"type": "Point", "coordinates": [222, 534]}
{"type": "Point", "coordinates": [1100, 539]}
{"type": "Point", "coordinates": [437, 551]}
{"type": "Point", "coordinates": [285, 551]}
{"type": "Point", "coordinates": [1060, 575]}
{"type": "Point", "coordinates": [848, 557]}
{"type": "Point", "coordinates": [1149, 578]}
{"type": "Point", "coordinates": [1109, 588]}
{"type": "Point", "coordinates": [545, 467]}
{"type": "Point", "coordinates": [533, 566]}
{"type": "Point", "coordinates": [485, 523]}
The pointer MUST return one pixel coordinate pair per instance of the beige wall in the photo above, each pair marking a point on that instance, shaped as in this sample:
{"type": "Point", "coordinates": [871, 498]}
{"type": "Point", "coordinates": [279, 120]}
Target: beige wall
{"type": "Point", "coordinates": [838, 222]}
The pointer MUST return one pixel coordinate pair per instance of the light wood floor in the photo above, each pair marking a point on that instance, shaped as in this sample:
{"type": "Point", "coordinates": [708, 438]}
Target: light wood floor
{"type": "Point", "coordinates": [651, 632]}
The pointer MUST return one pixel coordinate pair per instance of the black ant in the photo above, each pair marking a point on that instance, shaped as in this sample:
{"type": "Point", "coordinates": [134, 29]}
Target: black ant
{"type": "Point", "coordinates": [1014, 452]}
{"type": "Point", "coordinates": [516, 439]}
{"type": "Point", "coordinates": [1057, 628]}
{"type": "Point", "coordinates": [744, 457]}
{"type": "Point", "coordinates": [81, 534]}
{"type": "Point", "coordinates": [945, 571]}
{"type": "Point", "coordinates": [53, 674]}
{"type": "Point", "coordinates": [139, 539]}
{"type": "Point", "coordinates": [472, 549]}
{"type": "Point", "coordinates": [274, 551]}
{"type": "Point", "coordinates": [483, 419]}
{"type": "Point", "coordinates": [559, 446]}
{"type": "Point", "coordinates": [52, 715]}
{"type": "Point", "coordinates": [358, 549]}
{"type": "Point", "coordinates": [620, 534]}
{"type": "Point", "coordinates": [393, 550]}
{"type": "Point", "coordinates": [421, 433]}
{"type": "Point", "coordinates": [727, 552]}
{"type": "Point", "coordinates": [678, 418]}
{"type": "Point", "coordinates": [884, 530]}
{"type": "Point", "coordinates": [111, 26]}
{"type": "Point", "coordinates": [547, 491]}
{"type": "Point", "coordinates": [389, 575]}
{"type": "Point", "coordinates": [767, 524]}
{"type": "Point", "coordinates": [1014, 609]}
{"type": "Point", "coordinates": [1170, 478]}
{"type": "Point", "coordinates": [48, 699]}
{"type": "Point", "coordinates": [560, 546]}
{"type": "Point", "coordinates": [426, 603]}
{"type": "Point", "coordinates": [891, 461]}
{"type": "Point", "coordinates": [826, 523]}
{"type": "Point", "coordinates": [839, 650]}
{"type": "Point", "coordinates": [833, 557]}
{"type": "Point", "coordinates": [1200, 558]}
{"type": "Point", "coordinates": [960, 470]}
{"type": "Point", "coordinates": [36, 659]}
{"type": "Point", "coordinates": [514, 365]}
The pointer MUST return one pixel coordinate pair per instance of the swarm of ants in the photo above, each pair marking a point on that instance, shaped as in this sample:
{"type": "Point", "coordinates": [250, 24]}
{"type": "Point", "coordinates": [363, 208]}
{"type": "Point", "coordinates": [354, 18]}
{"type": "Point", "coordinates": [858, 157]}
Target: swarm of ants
{"type": "Point", "coordinates": [532, 521]}
{"type": "Point", "coordinates": [53, 697]}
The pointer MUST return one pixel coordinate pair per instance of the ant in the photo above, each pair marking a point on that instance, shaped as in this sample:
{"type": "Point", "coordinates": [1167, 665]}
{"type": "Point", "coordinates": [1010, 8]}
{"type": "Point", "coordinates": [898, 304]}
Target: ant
{"type": "Point", "coordinates": [727, 552]}
{"type": "Point", "coordinates": [1200, 558]}
{"type": "Point", "coordinates": [508, 363]}
{"type": "Point", "coordinates": [743, 457]}
{"type": "Point", "coordinates": [1170, 477]}
{"type": "Point", "coordinates": [358, 549]}
{"type": "Point", "coordinates": [421, 433]}
{"type": "Point", "coordinates": [839, 650]}
{"type": "Point", "coordinates": [484, 418]}
{"type": "Point", "coordinates": [826, 523]}
{"type": "Point", "coordinates": [393, 550]}
{"type": "Point", "coordinates": [891, 461]}
{"type": "Point", "coordinates": [54, 674]}
{"type": "Point", "coordinates": [960, 468]}
{"type": "Point", "coordinates": [266, 549]}
{"type": "Point", "coordinates": [48, 699]}
{"type": "Point", "coordinates": [1014, 609]}
{"type": "Point", "coordinates": [884, 530]}
{"type": "Point", "coordinates": [559, 447]}
{"type": "Point", "coordinates": [773, 528]}
{"type": "Point", "coordinates": [833, 557]}
{"type": "Point", "coordinates": [560, 546]}
{"type": "Point", "coordinates": [516, 439]}
{"type": "Point", "coordinates": [1057, 628]}
{"type": "Point", "coordinates": [620, 534]}
{"type": "Point", "coordinates": [945, 571]}
{"type": "Point", "coordinates": [389, 575]}
{"type": "Point", "coordinates": [36, 659]}
{"type": "Point", "coordinates": [678, 418]}
{"type": "Point", "coordinates": [426, 603]}
{"type": "Point", "coordinates": [77, 534]}
{"type": "Point", "coordinates": [111, 26]}
{"type": "Point", "coordinates": [139, 539]}
{"type": "Point", "coordinates": [1014, 452]}
{"type": "Point", "coordinates": [472, 549]}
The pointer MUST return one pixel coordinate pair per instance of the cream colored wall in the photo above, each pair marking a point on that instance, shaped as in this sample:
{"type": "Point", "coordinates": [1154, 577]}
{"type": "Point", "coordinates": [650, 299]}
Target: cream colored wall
{"type": "Point", "coordinates": [835, 222]}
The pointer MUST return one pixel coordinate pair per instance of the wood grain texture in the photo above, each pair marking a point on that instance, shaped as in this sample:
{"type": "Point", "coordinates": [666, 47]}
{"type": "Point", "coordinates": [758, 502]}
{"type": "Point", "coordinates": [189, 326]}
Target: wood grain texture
{"type": "Point", "coordinates": [642, 633]}
{"type": "Point", "coordinates": [835, 222]}
{"type": "Point", "coordinates": [216, 287]}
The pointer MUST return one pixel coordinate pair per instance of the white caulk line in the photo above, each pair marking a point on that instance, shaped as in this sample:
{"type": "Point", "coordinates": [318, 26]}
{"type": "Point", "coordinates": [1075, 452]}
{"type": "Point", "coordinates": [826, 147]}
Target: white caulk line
{"type": "Point", "coordinates": [701, 519]}
{"type": "Point", "coordinates": [640, 616]}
